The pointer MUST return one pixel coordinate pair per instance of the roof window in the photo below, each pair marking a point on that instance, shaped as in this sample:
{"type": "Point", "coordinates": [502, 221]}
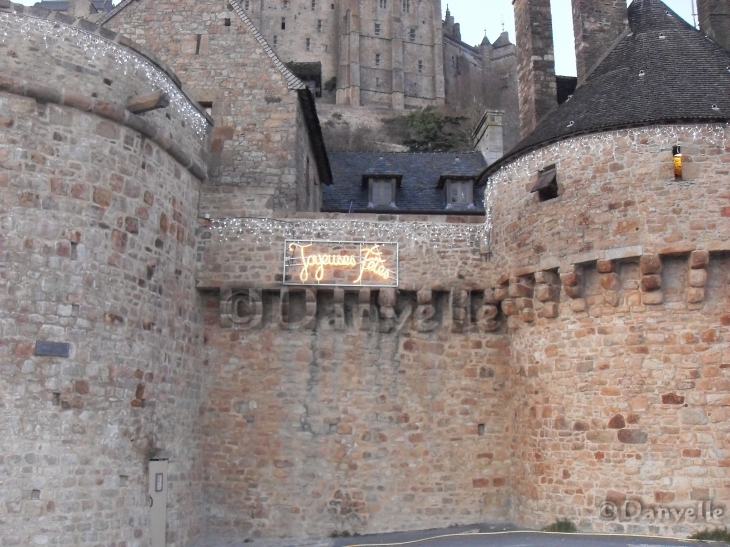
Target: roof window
{"type": "Point", "coordinates": [547, 183]}
{"type": "Point", "coordinates": [459, 193]}
{"type": "Point", "coordinates": [382, 192]}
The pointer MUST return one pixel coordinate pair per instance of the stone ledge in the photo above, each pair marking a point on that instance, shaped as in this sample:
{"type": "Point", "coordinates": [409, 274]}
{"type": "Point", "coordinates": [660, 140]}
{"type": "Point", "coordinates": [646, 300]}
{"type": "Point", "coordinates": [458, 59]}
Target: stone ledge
{"type": "Point", "coordinates": [109, 111]}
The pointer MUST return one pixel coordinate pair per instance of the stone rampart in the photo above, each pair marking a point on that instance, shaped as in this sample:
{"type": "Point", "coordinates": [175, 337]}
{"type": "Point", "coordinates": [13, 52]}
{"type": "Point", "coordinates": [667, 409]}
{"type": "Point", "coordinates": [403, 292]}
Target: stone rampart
{"type": "Point", "coordinates": [616, 297]}
{"type": "Point", "coordinates": [99, 324]}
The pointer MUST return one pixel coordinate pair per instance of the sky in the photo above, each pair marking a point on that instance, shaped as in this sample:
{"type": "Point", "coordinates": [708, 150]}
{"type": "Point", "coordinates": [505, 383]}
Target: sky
{"type": "Point", "coordinates": [476, 16]}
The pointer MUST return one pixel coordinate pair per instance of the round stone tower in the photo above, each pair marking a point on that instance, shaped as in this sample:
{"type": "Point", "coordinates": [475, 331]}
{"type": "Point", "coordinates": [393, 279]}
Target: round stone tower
{"type": "Point", "coordinates": [100, 164]}
{"type": "Point", "coordinates": [611, 243]}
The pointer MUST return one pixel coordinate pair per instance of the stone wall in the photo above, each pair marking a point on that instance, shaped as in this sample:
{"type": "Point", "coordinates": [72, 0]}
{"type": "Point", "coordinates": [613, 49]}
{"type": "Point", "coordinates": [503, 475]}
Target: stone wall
{"type": "Point", "coordinates": [714, 18]}
{"type": "Point", "coordinates": [535, 62]}
{"type": "Point", "coordinates": [464, 74]}
{"type": "Point", "coordinates": [359, 409]}
{"type": "Point", "coordinates": [617, 190]}
{"type": "Point", "coordinates": [597, 24]}
{"type": "Point", "coordinates": [217, 56]}
{"type": "Point", "coordinates": [318, 21]}
{"type": "Point", "coordinates": [390, 54]}
{"type": "Point", "coordinates": [616, 295]}
{"type": "Point", "coordinates": [250, 252]}
{"type": "Point", "coordinates": [96, 255]}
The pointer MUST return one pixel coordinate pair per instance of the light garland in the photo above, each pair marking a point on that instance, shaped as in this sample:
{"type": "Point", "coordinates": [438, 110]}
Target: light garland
{"type": "Point", "coordinates": [593, 145]}
{"type": "Point", "coordinates": [267, 230]}
{"type": "Point", "coordinates": [95, 47]}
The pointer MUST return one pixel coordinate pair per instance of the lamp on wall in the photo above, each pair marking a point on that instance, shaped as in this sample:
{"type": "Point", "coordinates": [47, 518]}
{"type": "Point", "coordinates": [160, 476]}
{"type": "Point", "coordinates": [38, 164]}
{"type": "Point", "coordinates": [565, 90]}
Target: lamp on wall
{"type": "Point", "coordinates": [677, 153]}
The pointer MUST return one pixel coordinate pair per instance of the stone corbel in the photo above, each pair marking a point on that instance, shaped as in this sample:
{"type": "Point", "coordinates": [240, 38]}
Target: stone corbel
{"type": "Point", "coordinates": [650, 266]}
{"type": "Point", "coordinates": [459, 306]}
{"type": "Point", "coordinates": [487, 313]}
{"type": "Point", "coordinates": [547, 294]}
{"type": "Point", "coordinates": [609, 280]}
{"type": "Point", "coordinates": [386, 301]}
{"type": "Point", "coordinates": [521, 289]}
{"type": "Point", "coordinates": [697, 278]}
{"type": "Point", "coordinates": [309, 321]}
{"type": "Point", "coordinates": [572, 279]}
{"type": "Point", "coordinates": [364, 321]}
{"type": "Point", "coordinates": [339, 301]}
{"type": "Point", "coordinates": [425, 311]}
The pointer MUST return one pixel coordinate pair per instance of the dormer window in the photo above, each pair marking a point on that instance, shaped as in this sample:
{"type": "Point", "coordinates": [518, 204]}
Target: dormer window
{"type": "Point", "coordinates": [547, 183]}
{"type": "Point", "coordinates": [460, 193]}
{"type": "Point", "coordinates": [459, 190]}
{"type": "Point", "coordinates": [381, 190]}
{"type": "Point", "coordinates": [382, 193]}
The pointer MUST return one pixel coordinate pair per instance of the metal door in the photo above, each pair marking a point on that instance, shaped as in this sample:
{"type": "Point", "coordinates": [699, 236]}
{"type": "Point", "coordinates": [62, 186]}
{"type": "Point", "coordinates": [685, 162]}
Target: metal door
{"type": "Point", "coordinates": [158, 497]}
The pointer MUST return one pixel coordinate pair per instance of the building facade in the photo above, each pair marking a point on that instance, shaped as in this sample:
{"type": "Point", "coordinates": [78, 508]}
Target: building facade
{"type": "Point", "coordinates": [563, 355]}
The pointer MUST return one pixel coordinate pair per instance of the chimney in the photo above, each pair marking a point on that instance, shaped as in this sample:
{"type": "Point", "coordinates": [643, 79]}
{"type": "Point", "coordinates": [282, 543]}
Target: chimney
{"type": "Point", "coordinates": [714, 18]}
{"type": "Point", "coordinates": [535, 62]}
{"type": "Point", "coordinates": [596, 25]}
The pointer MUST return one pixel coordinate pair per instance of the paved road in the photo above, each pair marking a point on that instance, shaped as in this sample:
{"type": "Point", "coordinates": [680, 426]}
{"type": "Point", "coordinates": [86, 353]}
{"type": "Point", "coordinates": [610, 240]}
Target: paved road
{"type": "Point", "coordinates": [494, 536]}
{"type": "Point", "coordinates": [466, 536]}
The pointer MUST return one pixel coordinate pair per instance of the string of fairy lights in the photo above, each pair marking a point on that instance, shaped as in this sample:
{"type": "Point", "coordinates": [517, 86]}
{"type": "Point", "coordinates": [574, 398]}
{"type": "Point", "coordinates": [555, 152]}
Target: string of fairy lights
{"type": "Point", "coordinates": [267, 231]}
{"type": "Point", "coordinates": [598, 146]}
{"type": "Point", "coordinates": [50, 33]}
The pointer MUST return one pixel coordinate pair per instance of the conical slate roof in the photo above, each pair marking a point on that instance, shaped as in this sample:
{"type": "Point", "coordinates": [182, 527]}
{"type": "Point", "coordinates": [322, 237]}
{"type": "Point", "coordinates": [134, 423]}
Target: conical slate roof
{"type": "Point", "coordinates": [662, 71]}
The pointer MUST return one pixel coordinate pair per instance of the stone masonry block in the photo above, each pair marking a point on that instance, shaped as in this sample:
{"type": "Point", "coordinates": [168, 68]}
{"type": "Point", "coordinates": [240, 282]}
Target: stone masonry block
{"type": "Point", "coordinates": [650, 264]}
{"type": "Point", "coordinates": [605, 266]}
{"type": "Point", "coordinates": [550, 310]}
{"type": "Point", "coordinates": [571, 279]}
{"type": "Point", "coordinates": [697, 278]}
{"type": "Point", "coordinates": [518, 289]}
{"type": "Point", "coordinates": [652, 298]}
{"type": "Point", "coordinates": [651, 283]}
{"type": "Point", "coordinates": [424, 296]}
{"type": "Point", "coordinates": [609, 281]}
{"type": "Point", "coordinates": [699, 260]}
{"type": "Point", "coordinates": [546, 293]}
{"type": "Point", "coordinates": [547, 277]}
{"type": "Point", "coordinates": [509, 307]}
{"type": "Point", "coordinates": [500, 293]}
{"type": "Point", "coordinates": [527, 315]}
{"type": "Point", "coordinates": [574, 292]}
{"type": "Point", "coordinates": [695, 295]}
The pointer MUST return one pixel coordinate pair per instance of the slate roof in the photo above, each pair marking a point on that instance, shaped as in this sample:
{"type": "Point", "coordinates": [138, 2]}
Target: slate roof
{"type": "Point", "coordinates": [684, 75]}
{"type": "Point", "coordinates": [502, 41]}
{"type": "Point", "coordinates": [418, 191]}
{"type": "Point", "coordinates": [566, 87]}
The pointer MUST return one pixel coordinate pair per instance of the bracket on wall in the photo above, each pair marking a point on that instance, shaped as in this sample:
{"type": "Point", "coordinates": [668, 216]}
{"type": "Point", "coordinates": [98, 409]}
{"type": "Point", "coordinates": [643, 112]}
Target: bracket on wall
{"type": "Point", "coordinates": [139, 104]}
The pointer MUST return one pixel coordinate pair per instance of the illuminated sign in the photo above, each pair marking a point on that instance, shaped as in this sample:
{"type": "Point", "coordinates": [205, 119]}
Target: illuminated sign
{"type": "Point", "coordinates": [339, 263]}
